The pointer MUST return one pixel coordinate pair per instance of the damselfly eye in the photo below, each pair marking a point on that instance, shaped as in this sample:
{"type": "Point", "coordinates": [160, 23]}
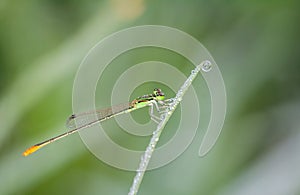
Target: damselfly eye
{"type": "Point", "coordinates": [158, 93]}
{"type": "Point", "coordinates": [156, 90]}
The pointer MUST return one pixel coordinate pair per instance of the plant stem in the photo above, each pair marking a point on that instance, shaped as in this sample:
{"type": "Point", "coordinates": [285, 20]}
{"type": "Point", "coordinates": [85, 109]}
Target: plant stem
{"type": "Point", "coordinates": [145, 159]}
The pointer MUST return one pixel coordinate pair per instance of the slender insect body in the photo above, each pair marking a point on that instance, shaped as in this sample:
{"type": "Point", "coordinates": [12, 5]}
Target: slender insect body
{"type": "Point", "coordinates": [87, 119]}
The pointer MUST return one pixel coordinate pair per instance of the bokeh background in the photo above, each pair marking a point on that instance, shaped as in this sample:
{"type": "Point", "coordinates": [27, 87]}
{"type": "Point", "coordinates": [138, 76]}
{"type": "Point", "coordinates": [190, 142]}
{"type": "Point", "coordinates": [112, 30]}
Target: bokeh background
{"type": "Point", "coordinates": [255, 44]}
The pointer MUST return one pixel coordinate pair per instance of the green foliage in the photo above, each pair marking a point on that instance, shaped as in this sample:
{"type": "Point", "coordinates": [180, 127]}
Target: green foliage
{"type": "Point", "coordinates": [43, 42]}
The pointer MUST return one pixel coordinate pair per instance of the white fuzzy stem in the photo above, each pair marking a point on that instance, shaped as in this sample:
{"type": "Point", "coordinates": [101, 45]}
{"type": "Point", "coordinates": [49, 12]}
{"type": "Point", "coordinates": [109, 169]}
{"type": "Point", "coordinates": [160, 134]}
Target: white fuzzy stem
{"type": "Point", "coordinates": [164, 119]}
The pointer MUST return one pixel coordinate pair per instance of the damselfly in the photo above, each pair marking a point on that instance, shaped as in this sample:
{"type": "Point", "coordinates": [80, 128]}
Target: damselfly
{"type": "Point", "coordinates": [87, 119]}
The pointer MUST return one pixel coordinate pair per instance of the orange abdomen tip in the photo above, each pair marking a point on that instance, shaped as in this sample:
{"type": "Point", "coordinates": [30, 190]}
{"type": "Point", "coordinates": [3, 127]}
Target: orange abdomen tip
{"type": "Point", "coordinates": [31, 150]}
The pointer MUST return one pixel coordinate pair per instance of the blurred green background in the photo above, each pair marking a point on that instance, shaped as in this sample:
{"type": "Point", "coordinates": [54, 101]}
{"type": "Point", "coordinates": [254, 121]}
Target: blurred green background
{"type": "Point", "coordinates": [255, 45]}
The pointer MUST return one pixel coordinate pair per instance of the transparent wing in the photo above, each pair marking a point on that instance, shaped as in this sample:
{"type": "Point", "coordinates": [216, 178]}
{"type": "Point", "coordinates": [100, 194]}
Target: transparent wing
{"type": "Point", "coordinates": [85, 118]}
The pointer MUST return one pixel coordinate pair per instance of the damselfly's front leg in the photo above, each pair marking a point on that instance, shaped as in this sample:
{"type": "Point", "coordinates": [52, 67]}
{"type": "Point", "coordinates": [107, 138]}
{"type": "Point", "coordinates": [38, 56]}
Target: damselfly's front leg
{"type": "Point", "coordinates": [164, 105]}
{"type": "Point", "coordinates": [154, 118]}
{"type": "Point", "coordinates": [161, 107]}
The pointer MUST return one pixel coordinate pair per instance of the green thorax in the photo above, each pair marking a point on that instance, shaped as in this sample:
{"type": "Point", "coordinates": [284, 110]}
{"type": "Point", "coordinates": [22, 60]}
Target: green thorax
{"type": "Point", "coordinates": [145, 100]}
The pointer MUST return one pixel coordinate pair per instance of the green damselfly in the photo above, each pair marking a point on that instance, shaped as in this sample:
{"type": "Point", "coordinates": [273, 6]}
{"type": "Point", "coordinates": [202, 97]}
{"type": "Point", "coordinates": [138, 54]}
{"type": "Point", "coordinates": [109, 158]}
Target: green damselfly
{"type": "Point", "coordinates": [87, 119]}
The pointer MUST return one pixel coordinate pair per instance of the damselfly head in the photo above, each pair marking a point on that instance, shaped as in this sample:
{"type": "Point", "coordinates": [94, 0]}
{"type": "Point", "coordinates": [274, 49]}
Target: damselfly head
{"type": "Point", "coordinates": [158, 94]}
